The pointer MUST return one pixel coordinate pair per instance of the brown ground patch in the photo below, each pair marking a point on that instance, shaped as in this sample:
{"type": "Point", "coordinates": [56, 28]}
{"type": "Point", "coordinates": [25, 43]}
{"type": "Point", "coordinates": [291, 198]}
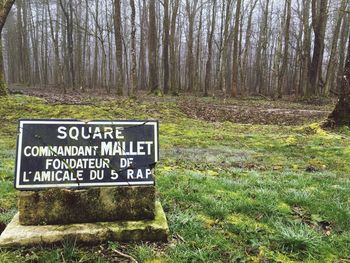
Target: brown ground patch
{"type": "Point", "coordinates": [251, 115]}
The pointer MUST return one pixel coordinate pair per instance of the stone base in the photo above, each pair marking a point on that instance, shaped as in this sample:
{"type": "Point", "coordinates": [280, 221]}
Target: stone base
{"type": "Point", "coordinates": [101, 204]}
{"type": "Point", "coordinates": [16, 235]}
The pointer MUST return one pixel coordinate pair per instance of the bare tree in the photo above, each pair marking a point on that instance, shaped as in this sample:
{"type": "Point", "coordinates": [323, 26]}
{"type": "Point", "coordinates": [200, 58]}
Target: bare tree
{"type": "Point", "coordinates": [133, 49]}
{"type": "Point", "coordinates": [319, 20]}
{"type": "Point", "coordinates": [5, 7]}
{"type": "Point", "coordinates": [118, 46]}
{"type": "Point", "coordinates": [166, 46]}
{"type": "Point", "coordinates": [248, 49]}
{"type": "Point", "coordinates": [191, 11]}
{"type": "Point", "coordinates": [152, 48]}
{"type": "Point", "coordinates": [282, 73]}
{"type": "Point", "coordinates": [67, 10]}
{"type": "Point", "coordinates": [175, 9]}
{"type": "Point", "coordinates": [261, 51]}
{"type": "Point", "coordinates": [235, 65]}
{"type": "Point", "coordinates": [330, 77]}
{"type": "Point", "coordinates": [210, 50]}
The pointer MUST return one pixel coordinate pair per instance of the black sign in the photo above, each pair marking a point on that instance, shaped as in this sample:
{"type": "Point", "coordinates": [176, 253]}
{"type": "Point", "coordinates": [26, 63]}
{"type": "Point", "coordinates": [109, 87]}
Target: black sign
{"type": "Point", "coordinates": [70, 153]}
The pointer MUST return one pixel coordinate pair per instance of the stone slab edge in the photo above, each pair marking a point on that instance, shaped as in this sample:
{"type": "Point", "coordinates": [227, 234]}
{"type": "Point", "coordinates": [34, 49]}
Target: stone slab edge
{"type": "Point", "coordinates": [16, 235]}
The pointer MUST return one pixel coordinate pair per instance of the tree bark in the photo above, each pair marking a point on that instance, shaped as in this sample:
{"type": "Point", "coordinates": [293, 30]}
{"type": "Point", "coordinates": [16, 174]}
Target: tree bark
{"type": "Point", "coordinates": [152, 48]}
{"type": "Point", "coordinates": [342, 46]}
{"type": "Point", "coordinates": [191, 10]}
{"type": "Point", "coordinates": [19, 42]}
{"type": "Point", "coordinates": [319, 19]}
{"type": "Point", "coordinates": [210, 50]}
{"type": "Point", "coordinates": [173, 48]}
{"type": "Point", "coordinates": [166, 47]}
{"type": "Point", "coordinates": [133, 50]}
{"type": "Point", "coordinates": [235, 65]}
{"type": "Point", "coordinates": [119, 47]}
{"type": "Point", "coordinates": [333, 58]}
{"type": "Point", "coordinates": [247, 49]}
{"type": "Point", "coordinates": [197, 76]}
{"type": "Point", "coordinates": [54, 39]}
{"type": "Point", "coordinates": [142, 79]}
{"type": "Point", "coordinates": [68, 15]}
{"type": "Point", "coordinates": [341, 113]}
{"type": "Point", "coordinates": [261, 51]}
{"type": "Point", "coordinates": [5, 7]}
{"type": "Point", "coordinates": [306, 47]}
{"type": "Point", "coordinates": [282, 73]}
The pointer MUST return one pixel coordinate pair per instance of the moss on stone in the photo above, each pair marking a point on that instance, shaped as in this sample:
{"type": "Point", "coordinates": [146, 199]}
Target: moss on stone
{"type": "Point", "coordinates": [63, 206]}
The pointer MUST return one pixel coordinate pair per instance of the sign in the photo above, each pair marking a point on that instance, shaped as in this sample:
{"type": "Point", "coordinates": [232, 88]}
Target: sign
{"type": "Point", "coordinates": [77, 154]}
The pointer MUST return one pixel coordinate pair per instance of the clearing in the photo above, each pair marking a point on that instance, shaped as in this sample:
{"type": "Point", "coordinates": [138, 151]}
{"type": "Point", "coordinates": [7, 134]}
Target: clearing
{"type": "Point", "coordinates": [240, 180]}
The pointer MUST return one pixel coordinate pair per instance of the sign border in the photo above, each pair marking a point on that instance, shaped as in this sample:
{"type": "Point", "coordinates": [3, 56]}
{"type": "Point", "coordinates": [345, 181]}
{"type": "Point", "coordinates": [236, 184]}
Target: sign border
{"type": "Point", "coordinates": [21, 122]}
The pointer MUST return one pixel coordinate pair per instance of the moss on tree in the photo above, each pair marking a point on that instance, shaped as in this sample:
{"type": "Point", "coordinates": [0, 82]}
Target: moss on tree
{"type": "Point", "coordinates": [3, 86]}
{"type": "Point", "coordinates": [5, 7]}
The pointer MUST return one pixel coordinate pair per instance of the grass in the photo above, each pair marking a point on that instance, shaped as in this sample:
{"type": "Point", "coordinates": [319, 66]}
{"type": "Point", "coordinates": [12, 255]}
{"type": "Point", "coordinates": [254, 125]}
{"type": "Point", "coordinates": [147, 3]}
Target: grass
{"type": "Point", "coordinates": [231, 192]}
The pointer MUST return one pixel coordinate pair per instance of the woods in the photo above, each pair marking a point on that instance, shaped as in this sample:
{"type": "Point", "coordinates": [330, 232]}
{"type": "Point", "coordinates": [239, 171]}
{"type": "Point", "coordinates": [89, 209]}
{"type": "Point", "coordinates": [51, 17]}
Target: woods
{"type": "Point", "coordinates": [261, 47]}
{"type": "Point", "coordinates": [174, 130]}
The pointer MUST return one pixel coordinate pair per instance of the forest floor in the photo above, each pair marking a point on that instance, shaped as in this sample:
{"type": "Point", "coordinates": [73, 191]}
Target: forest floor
{"type": "Point", "coordinates": [250, 110]}
{"type": "Point", "coordinates": [247, 180]}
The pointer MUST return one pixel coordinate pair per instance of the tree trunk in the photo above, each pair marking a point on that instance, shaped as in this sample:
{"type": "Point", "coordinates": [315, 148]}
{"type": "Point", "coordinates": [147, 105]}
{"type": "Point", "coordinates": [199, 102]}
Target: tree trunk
{"type": "Point", "coordinates": [166, 46]}
{"type": "Point", "coordinates": [54, 39]}
{"type": "Point", "coordinates": [143, 82]}
{"type": "Point", "coordinates": [197, 74]}
{"type": "Point", "coordinates": [4, 11]}
{"type": "Point", "coordinates": [261, 51]}
{"type": "Point", "coordinates": [341, 113]}
{"type": "Point", "coordinates": [342, 46]}
{"type": "Point", "coordinates": [247, 49]}
{"type": "Point", "coordinates": [96, 49]}
{"type": "Point", "coordinates": [210, 49]}
{"type": "Point", "coordinates": [277, 64]}
{"type": "Point", "coordinates": [152, 48]}
{"type": "Point", "coordinates": [68, 15]}
{"type": "Point", "coordinates": [133, 50]}
{"type": "Point", "coordinates": [306, 60]}
{"type": "Point", "coordinates": [19, 42]}
{"type": "Point", "coordinates": [319, 20]}
{"type": "Point", "coordinates": [235, 65]}
{"type": "Point", "coordinates": [173, 48]}
{"type": "Point", "coordinates": [191, 11]}
{"type": "Point", "coordinates": [333, 58]}
{"type": "Point", "coordinates": [282, 73]}
{"type": "Point", "coordinates": [222, 75]}
{"type": "Point", "coordinates": [119, 47]}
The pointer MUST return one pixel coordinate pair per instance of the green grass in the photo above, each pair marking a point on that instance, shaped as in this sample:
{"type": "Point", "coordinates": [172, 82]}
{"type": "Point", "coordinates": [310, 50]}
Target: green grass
{"type": "Point", "coordinates": [231, 192]}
